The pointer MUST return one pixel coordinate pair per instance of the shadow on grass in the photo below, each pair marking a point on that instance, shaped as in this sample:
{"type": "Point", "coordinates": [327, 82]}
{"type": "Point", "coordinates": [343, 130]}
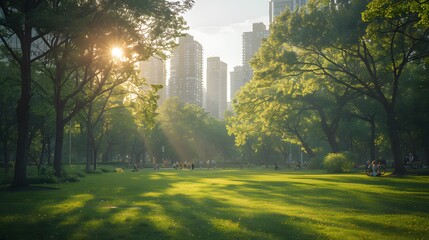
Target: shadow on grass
{"type": "Point", "coordinates": [28, 188]}
{"type": "Point", "coordinates": [212, 205]}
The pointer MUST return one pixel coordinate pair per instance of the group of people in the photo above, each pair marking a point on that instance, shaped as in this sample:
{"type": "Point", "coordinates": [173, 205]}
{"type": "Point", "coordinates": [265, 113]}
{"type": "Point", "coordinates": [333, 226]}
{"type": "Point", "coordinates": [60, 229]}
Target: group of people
{"type": "Point", "coordinates": [184, 165]}
{"type": "Point", "coordinates": [191, 165]}
{"type": "Point", "coordinates": [374, 167]}
{"type": "Point", "coordinates": [412, 161]}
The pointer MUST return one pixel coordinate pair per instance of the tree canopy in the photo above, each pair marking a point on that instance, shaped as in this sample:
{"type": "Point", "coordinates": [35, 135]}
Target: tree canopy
{"type": "Point", "coordinates": [77, 45]}
{"type": "Point", "coordinates": [322, 56]}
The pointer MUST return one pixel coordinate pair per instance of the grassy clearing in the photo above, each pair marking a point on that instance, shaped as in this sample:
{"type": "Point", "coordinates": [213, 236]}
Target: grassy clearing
{"type": "Point", "coordinates": [221, 204]}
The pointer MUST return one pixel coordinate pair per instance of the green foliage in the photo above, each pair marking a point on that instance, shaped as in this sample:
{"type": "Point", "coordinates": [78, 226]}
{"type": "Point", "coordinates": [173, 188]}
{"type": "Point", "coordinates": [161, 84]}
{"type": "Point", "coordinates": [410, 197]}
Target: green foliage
{"type": "Point", "coordinates": [338, 162]}
{"type": "Point", "coordinates": [74, 170]}
{"type": "Point", "coordinates": [97, 171]}
{"type": "Point", "coordinates": [323, 65]}
{"type": "Point", "coordinates": [75, 55]}
{"type": "Point", "coordinates": [6, 177]}
{"type": "Point", "coordinates": [45, 175]}
{"type": "Point", "coordinates": [316, 163]}
{"type": "Point", "coordinates": [70, 178]}
{"type": "Point", "coordinates": [191, 134]}
{"type": "Point", "coordinates": [391, 9]}
{"type": "Point", "coordinates": [105, 170]}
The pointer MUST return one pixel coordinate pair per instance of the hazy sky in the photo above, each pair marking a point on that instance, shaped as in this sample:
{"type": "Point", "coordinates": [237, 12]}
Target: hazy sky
{"type": "Point", "coordinates": [219, 24]}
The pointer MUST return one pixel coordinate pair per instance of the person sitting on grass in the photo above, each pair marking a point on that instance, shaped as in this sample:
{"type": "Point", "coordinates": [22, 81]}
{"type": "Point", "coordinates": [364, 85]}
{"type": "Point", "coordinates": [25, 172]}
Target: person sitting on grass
{"type": "Point", "coordinates": [298, 166]}
{"type": "Point", "coordinates": [375, 169]}
{"type": "Point", "coordinates": [135, 168]}
{"type": "Point", "coordinates": [276, 167]}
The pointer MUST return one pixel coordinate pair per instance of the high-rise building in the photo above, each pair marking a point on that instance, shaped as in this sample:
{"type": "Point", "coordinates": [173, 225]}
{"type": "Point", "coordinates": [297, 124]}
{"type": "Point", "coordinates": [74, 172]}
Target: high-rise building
{"type": "Point", "coordinates": [251, 43]}
{"type": "Point", "coordinates": [236, 81]}
{"type": "Point", "coordinates": [278, 6]}
{"type": "Point", "coordinates": [186, 72]}
{"type": "Point", "coordinates": [154, 71]}
{"type": "Point", "coordinates": [216, 87]}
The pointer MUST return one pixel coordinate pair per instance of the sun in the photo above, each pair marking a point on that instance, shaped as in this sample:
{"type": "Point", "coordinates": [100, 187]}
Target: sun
{"type": "Point", "coordinates": [117, 52]}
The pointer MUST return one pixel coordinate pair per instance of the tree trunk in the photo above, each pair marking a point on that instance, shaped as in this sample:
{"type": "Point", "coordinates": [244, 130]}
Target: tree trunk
{"type": "Point", "coordinates": [328, 130]}
{"type": "Point", "coordinates": [42, 153]}
{"type": "Point", "coordinates": [49, 148]}
{"type": "Point", "coordinates": [395, 143]}
{"type": "Point", "coordinates": [372, 140]}
{"type": "Point", "coordinates": [6, 153]}
{"type": "Point", "coordinates": [332, 140]}
{"type": "Point", "coordinates": [89, 143]}
{"type": "Point", "coordinates": [94, 156]}
{"type": "Point", "coordinates": [22, 110]}
{"type": "Point", "coordinates": [59, 139]}
{"type": "Point", "coordinates": [305, 145]}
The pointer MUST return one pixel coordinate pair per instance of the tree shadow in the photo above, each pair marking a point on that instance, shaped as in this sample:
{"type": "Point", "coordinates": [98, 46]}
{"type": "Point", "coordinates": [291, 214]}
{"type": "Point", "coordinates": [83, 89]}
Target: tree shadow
{"type": "Point", "coordinates": [188, 205]}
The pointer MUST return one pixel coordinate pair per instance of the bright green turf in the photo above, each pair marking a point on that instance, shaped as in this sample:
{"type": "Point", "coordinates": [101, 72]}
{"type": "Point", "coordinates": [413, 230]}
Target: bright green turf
{"type": "Point", "coordinates": [221, 204]}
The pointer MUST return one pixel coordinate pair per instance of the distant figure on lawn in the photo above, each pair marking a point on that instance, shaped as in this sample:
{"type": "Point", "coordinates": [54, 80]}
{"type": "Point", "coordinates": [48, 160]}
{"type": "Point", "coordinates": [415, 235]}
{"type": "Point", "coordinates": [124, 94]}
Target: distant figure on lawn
{"type": "Point", "coordinates": [298, 166]}
{"type": "Point", "coordinates": [135, 168]}
{"type": "Point", "coordinates": [276, 167]}
{"type": "Point", "coordinates": [375, 169]}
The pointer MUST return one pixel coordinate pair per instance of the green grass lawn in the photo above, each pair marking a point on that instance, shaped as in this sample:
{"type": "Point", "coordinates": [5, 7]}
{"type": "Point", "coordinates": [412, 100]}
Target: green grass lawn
{"type": "Point", "coordinates": [221, 204]}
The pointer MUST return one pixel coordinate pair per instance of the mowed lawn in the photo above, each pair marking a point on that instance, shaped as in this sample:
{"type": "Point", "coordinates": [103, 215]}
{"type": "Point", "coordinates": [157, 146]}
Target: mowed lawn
{"type": "Point", "coordinates": [220, 204]}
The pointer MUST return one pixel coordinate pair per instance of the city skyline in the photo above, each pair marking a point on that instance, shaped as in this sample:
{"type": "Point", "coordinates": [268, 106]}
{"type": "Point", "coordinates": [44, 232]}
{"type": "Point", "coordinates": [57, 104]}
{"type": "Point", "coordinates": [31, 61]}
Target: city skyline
{"type": "Point", "coordinates": [216, 87]}
{"type": "Point", "coordinates": [221, 33]}
{"type": "Point", "coordinates": [186, 72]}
{"type": "Point", "coordinates": [224, 36]}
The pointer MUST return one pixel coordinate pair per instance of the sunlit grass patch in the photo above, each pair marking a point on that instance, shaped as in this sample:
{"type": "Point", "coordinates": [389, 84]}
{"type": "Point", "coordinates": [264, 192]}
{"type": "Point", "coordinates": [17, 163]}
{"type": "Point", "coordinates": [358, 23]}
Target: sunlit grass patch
{"type": "Point", "coordinates": [70, 204]}
{"type": "Point", "coordinates": [126, 214]}
{"type": "Point", "coordinates": [230, 204]}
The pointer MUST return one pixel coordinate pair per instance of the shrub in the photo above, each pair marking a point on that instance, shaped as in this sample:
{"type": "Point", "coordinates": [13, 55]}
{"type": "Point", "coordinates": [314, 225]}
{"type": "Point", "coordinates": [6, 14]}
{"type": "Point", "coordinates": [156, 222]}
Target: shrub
{"type": "Point", "coordinates": [119, 170]}
{"type": "Point", "coordinates": [74, 172]}
{"type": "Point", "coordinates": [98, 171]}
{"type": "Point", "coordinates": [105, 170]}
{"type": "Point", "coordinates": [45, 175]}
{"type": "Point", "coordinates": [338, 162]}
{"type": "Point", "coordinates": [80, 174]}
{"type": "Point", "coordinates": [6, 177]}
{"type": "Point", "coordinates": [42, 178]}
{"type": "Point", "coordinates": [70, 178]}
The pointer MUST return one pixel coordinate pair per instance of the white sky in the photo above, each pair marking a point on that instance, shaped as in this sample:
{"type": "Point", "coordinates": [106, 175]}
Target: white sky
{"type": "Point", "coordinates": [219, 24]}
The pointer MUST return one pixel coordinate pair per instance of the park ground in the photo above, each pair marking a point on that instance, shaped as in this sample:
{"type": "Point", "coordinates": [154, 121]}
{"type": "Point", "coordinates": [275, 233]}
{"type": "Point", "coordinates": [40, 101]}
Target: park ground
{"type": "Point", "coordinates": [219, 204]}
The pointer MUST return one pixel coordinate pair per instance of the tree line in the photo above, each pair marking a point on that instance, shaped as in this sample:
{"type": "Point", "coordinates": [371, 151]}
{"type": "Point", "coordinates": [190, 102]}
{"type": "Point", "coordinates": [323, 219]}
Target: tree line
{"type": "Point", "coordinates": [347, 75]}
{"type": "Point", "coordinates": [57, 60]}
{"type": "Point", "coordinates": [333, 76]}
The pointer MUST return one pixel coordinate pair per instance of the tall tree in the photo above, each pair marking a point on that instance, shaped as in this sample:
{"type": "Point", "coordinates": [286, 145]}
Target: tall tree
{"type": "Point", "coordinates": [187, 127]}
{"type": "Point", "coordinates": [8, 98]}
{"type": "Point", "coordinates": [368, 58]}
{"type": "Point", "coordinates": [83, 68]}
{"type": "Point", "coordinates": [27, 30]}
{"type": "Point", "coordinates": [18, 24]}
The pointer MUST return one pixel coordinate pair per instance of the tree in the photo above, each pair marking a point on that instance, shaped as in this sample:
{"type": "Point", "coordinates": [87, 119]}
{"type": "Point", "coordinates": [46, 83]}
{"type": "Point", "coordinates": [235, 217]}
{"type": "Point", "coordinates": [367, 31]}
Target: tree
{"type": "Point", "coordinates": [8, 98]}
{"type": "Point", "coordinates": [183, 125]}
{"type": "Point", "coordinates": [191, 134]}
{"type": "Point", "coordinates": [18, 24]}
{"type": "Point", "coordinates": [28, 34]}
{"type": "Point", "coordinates": [368, 58]}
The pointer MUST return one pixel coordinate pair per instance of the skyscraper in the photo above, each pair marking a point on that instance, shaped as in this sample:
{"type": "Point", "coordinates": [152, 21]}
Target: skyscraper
{"type": "Point", "coordinates": [216, 87]}
{"type": "Point", "coordinates": [236, 81]}
{"type": "Point", "coordinates": [278, 6]}
{"type": "Point", "coordinates": [186, 71]}
{"type": "Point", "coordinates": [154, 71]}
{"type": "Point", "coordinates": [251, 43]}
